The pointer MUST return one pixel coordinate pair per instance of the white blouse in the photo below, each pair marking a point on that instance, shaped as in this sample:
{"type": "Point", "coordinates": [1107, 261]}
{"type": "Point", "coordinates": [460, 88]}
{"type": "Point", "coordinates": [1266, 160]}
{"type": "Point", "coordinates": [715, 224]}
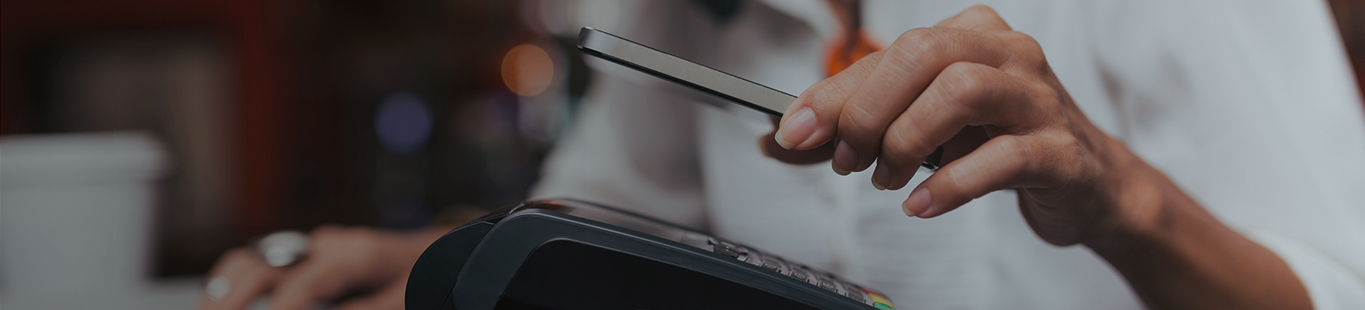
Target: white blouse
{"type": "Point", "coordinates": [1248, 105]}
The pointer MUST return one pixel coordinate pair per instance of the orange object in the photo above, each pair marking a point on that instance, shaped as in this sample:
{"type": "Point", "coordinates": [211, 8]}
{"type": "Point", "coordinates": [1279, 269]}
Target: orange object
{"type": "Point", "coordinates": [842, 53]}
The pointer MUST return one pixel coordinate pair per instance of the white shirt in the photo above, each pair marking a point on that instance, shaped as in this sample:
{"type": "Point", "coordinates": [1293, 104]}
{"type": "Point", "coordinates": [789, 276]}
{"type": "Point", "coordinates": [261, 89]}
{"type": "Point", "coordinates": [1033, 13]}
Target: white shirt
{"type": "Point", "coordinates": [1248, 105]}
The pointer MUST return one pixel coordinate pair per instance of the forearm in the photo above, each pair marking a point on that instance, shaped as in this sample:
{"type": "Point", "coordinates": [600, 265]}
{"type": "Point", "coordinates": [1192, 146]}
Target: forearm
{"type": "Point", "coordinates": [1176, 255]}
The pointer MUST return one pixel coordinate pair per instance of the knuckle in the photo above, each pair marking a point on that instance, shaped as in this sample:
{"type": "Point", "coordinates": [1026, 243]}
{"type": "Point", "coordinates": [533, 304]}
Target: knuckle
{"type": "Point", "coordinates": [964, 83]}
{"type": "Point", "coordinates": [902, 148]}
{"type": "Point", "coordinates": [1053, 112]}
{"type": "Point", "coordinates": [1018, 147]}
{"type": "Point", "coordinates": [1026, 49]}
{"type": "Point", "coordinates": [1070, 160]}
{"type": "Point", "coordinates": [1041, 91]}
{"type": "Point", "coordinates": [981, 9]}
{"type": "Point", "coordinates": [964, 76]}
{"type": "Point", "coordinates": [1022, 41]}
{"type": "Point", "coordinates": [898, 146]}
{"type": "Point", "coordinates": [914, 36]}
{"type": "Point", "coordinates": [1013, 145]}
{"type": "Point", "coordinates": [857, 123]}
{"type": "Point", "coordinates": [1062, 159]}
{"type": "Point", "coordinates": [1044, 97]}
{"type": "Point", "coordinates": [921, 42]}
{"type": "Point", "coordinates": [981, 12]}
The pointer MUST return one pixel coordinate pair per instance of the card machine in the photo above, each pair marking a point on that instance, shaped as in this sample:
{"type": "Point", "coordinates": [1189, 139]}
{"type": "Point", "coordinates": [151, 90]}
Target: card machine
{"type": "Point", "coordinates": [570, 254]}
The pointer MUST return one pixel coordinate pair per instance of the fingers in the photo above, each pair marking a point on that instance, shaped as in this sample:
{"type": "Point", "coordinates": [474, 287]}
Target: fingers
{"type": "Point", "coordinates": [1000, 163]}
{"type": "Point", "coordinates": [963, 94]}
{"type": "Point", "coordinates": [768, 145]}
{"type": "Point", "coordinates": [811, 120]}
{"type": "Point", "coordinates": [952, 86]}
{"type": "Point", "coordinates": [770, 148]}
{"type": "Point", "coordinates": [247, 277]}
{"type": "Point", "coordinates": [902, 74]}
{"type": "Point", "coordinates": [337, 263]}
{"type": "Point", "coordinates": [340, 261]}
{"type": "Point", "coordinates": [865, 98]}
{"type": "Point", "coordinates": [308, 284]}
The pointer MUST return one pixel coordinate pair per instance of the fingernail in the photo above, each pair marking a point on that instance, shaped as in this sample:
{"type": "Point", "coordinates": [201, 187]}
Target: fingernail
{"type": "Point", "coordinates": [881, 176]}
{"type": "Point", "coordinates": [844, 159]}
{"type": "Point", "coordinates": [918, 202]}
{"type": "Point", "coordinates": [902, 181]}
{"type": "Point", "coordinates": [798, 128]}
{"type": "Point", "coordinates": [863, 165]}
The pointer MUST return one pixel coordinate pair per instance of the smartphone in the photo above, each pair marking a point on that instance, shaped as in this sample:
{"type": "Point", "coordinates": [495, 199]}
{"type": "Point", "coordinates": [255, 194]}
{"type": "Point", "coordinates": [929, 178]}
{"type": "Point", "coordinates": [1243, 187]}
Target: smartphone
{"type": "Point", "coordinates": [696, 76]}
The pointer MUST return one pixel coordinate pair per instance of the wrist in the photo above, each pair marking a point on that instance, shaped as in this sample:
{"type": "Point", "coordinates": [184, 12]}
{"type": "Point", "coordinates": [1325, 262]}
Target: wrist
{"type": "Point", "coordinates": [1137, 215]}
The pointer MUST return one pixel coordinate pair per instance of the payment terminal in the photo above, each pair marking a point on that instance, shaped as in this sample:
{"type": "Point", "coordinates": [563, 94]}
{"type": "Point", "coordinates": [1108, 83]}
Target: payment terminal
{"type": "Point", "coordinates": [569, 254]}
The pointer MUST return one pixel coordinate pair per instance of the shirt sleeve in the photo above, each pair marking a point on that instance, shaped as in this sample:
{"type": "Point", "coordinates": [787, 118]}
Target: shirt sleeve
{"type": "Point", "coordinates": [1252, 109]}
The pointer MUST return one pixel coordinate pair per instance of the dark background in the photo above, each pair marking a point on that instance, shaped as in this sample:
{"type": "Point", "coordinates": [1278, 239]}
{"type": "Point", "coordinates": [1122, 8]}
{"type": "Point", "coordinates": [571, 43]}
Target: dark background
{"type": "Point", "coordinates": [275, 110]}
{"type": "Point", "coordinates": [286, 98]}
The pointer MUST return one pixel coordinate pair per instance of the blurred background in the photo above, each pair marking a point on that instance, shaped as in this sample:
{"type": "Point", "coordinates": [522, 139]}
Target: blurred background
{"type": "Point", "coordinates": [142, 138]}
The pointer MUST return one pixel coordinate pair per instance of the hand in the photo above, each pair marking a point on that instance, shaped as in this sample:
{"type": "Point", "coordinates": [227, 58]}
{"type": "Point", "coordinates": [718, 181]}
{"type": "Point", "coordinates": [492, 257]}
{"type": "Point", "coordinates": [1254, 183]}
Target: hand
{"type": "Point", "coordinates": [987, 95]}
{"type": "Point", "coordinates": [340, 261]}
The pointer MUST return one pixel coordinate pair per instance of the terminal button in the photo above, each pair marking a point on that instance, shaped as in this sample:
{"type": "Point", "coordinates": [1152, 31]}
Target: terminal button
{"type": "Point", "coordinates": [828, 286]}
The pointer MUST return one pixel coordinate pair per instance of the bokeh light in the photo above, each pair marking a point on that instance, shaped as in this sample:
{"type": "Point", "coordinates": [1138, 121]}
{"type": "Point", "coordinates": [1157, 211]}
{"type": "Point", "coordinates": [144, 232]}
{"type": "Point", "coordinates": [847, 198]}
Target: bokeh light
{"type": "Point", "coordinates": [527, 70]}
{"type": "Point", "coordinates": [403, 123]}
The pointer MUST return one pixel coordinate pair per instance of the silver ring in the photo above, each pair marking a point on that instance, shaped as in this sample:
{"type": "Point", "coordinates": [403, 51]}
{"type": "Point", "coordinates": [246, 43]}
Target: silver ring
{"type": "Point", "coordinates": [282, 248]}
{"type": "Point", "coordinates": [217, 287]}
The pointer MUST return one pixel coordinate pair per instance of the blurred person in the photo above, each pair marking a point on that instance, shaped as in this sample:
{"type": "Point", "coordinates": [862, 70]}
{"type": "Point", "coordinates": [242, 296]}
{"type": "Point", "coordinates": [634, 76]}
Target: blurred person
{"type": "Point", "coordinates": [1203, 156]}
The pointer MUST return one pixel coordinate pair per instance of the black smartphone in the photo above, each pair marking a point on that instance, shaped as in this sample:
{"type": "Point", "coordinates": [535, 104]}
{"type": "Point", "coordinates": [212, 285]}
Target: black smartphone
{"type": "Point", "coordinates": [696, 76]}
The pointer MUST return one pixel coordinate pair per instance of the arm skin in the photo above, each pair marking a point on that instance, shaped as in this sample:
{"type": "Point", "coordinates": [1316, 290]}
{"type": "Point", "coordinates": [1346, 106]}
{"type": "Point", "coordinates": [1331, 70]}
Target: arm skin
{"type": "Point", "coordinates": [1176, 255]}
{"type": "Point", "coordinates": [986, 94]}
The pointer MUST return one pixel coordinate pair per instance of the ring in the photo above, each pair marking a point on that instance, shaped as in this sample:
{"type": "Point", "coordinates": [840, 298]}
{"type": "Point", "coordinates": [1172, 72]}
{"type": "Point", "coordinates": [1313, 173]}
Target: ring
{"type": "Point", "coordinates": [282, 248]}
{"type": "Point", "coordinates": [217, 287]}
